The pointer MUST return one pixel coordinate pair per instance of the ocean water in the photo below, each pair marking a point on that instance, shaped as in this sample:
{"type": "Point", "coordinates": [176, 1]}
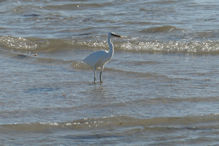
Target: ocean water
{"type": "Point", "coordinates": [160, 88]}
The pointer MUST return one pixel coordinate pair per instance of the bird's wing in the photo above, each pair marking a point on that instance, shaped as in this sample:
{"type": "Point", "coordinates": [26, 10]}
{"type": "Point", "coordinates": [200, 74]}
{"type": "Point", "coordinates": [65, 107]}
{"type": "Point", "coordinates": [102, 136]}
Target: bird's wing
{"type": "Point", "coordinates": [95, 58]}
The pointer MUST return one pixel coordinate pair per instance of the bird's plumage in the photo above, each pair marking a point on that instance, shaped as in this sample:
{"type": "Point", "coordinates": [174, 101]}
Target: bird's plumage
{"type": "Point", "coordinates": [97, 59]}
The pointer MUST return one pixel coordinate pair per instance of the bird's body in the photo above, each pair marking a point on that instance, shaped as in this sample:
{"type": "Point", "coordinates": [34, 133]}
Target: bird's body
{"type": "Point", "coordinates": [99, 58]}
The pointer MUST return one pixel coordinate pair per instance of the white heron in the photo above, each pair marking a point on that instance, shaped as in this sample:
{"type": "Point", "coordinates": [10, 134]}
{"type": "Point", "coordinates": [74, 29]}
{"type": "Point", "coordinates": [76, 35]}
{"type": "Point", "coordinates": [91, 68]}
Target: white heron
{"type": "Point", "coordinates": [99, 58]}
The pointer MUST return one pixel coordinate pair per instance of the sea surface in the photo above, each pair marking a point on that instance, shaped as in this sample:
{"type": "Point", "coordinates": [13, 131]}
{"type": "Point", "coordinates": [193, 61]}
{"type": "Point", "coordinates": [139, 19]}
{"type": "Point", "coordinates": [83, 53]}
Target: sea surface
{"type": "Point", "coordinates": [160, 88]}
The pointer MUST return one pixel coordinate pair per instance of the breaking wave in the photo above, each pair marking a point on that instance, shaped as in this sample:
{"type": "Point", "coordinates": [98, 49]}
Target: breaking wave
{"type": "Point", "coordinates": [129, 45]}
{"type": "Point", "coordinates": [160, 29]}
{"type": "Point", "coordinates": [158, 123]}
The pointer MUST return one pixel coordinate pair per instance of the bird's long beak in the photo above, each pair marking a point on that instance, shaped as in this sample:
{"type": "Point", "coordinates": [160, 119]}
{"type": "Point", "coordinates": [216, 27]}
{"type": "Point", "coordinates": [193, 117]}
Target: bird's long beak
{"type": "Point", "coordinates": [116, 35]}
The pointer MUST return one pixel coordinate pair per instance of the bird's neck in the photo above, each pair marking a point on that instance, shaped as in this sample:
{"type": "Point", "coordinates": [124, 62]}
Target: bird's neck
{"type": "Point", "coordinates": [111, 47]}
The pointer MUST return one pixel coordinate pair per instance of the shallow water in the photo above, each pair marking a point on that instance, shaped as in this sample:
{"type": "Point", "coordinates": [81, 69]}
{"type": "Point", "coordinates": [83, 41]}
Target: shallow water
{"type": "Point", "coordinates": [160, 88]}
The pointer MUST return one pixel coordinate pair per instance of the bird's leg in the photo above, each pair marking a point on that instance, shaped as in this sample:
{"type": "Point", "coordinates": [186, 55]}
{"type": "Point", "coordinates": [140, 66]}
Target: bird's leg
{"type": "Point", "coordinates": [94, 76]}
{"type": "Point", "coordinates": [101, 76]}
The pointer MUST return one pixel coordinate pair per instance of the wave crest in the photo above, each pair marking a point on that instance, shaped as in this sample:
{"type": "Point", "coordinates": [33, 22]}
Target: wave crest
{"type": "Point", "coordinates": [160, 29]}
{"type": "Point", "coordinates": [18, 43]}
{"type": "Point", "coordinates": [195, 47]}
{"type": "Point", "coordinates": [128, 45]}
{"type": "Point", "coordinates": [189, 122]}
